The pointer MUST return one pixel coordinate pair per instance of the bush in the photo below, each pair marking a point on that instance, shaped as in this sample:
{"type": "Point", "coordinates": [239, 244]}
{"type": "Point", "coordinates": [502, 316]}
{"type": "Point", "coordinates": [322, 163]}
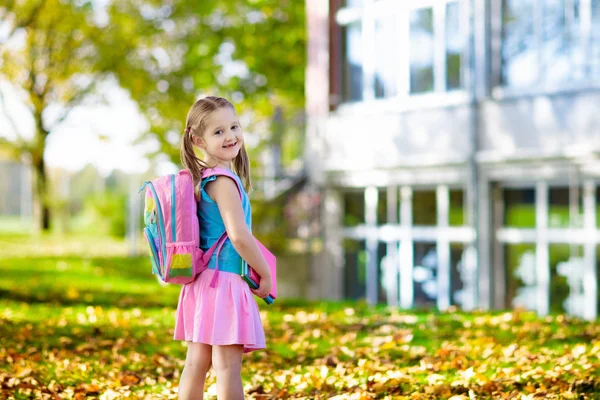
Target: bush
{"type": "Point", "coordinates": [103, 213]}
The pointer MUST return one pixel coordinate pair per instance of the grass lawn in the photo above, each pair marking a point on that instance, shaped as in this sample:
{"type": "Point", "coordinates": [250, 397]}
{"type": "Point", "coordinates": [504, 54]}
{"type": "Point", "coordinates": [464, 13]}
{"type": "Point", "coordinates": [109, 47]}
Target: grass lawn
{"type": "Point", "coordinates": [100, 326]}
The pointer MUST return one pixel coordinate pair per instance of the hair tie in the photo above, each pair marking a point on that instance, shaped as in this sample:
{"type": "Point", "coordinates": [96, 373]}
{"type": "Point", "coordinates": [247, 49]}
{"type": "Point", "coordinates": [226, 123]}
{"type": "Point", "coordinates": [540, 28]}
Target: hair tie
{"type": "Point", "coordinates": [187, 130]}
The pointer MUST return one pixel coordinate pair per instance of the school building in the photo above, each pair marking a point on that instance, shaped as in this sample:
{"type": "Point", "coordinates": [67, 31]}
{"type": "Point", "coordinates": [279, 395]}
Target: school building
{"type": "Point", "coordinates": [457, 145]}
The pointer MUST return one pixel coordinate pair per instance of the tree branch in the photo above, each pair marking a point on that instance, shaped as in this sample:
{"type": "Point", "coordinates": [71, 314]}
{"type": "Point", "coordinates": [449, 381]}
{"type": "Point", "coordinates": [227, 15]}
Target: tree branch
{"type": "Point", "coordinates": [67, 62]}
{"type": "Point", "coordinates": [48, 49]}
{"type": "Point", "coordinates": [29, 84]}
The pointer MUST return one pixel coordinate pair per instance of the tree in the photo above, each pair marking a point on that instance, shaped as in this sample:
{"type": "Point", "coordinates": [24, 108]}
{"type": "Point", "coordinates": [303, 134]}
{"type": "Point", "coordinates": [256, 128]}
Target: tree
{"type": "Point", "coordinates": [58, 54]}
{"type": "Point", "coordinates": [165, 53]}
{"type": "Point", "coordinates": [52, 55]}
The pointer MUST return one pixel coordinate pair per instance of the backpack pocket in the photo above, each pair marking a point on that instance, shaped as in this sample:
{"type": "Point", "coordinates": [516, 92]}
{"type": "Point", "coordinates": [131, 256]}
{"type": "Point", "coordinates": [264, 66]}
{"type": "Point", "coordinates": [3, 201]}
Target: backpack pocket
{"type": "Point", "coordinates": [180, 263]}
{"type": "Point", "coordinates": [184, 263]}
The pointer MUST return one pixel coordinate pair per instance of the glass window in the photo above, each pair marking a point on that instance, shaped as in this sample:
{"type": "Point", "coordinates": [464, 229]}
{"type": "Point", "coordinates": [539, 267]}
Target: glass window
{"type": "Point", "coordinates": [598, 208]}
{"type": "Point", "coordinates": [456, 265]}
{"type": "Point", "coordinates": [519, 208]}
{"type": "Point", "coordinates": [573, 33]}
{"type": "Point", "coordinates": [385, 57]}
{"type": "Point", "coordinates": [555, 44]}
{"type": "Point", "coordinates": [355, 269]}
{"type": "Point", "coordinates": [425, 274]}
{"type": "Point", "coordinates": [354, 208]}
{"type": "Point", "coordinates": [424, 205]}
{"type": "Point", "coordinates": [382, 206]}
{"type": "Point", "coordinates": [421, 50]}
{"type": "Point", "coordinates": [389, 55]}
{"type": "Point", "coordinates": [559, 210]}
{"type": "Point", "coordinates": [353, 62]}
{"type": "Point", "coordinates": [562, 55]}
{"type": "Point", "coordinates": [353, 3]}
{"type": "Point", "coordinates": [457, 209]}
{"type": "Point", "coordinates": [594, 59]}
{"type": "Point", "coordinates": [454, 47]}
{"type": "Point", "coordinates": [386, 271]}
{"type": "Point", "coordinates": [561, 270]}
{"type": "Point", "coordinates": [520, 264]}
{"type": "Point", "coordinates": [395, 206]}
{"type": "Point", "coordinates": [519, 66]}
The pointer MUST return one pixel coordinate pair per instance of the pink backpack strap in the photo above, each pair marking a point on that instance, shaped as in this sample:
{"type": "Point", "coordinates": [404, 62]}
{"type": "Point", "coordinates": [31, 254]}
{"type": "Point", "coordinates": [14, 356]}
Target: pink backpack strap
{"type": "Point", "coordinates": [213, 282]}
{"type": "Point", "coordinates": [221, 241]}
{"type": "Point", "coordinates": [208, 253]}
{"type": "Point", "coordinates": [222, 171]}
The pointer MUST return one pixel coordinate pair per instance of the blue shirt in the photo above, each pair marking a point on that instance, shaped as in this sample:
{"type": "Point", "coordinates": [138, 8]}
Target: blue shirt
{"type": "Point", "coordinates": [212, 227]}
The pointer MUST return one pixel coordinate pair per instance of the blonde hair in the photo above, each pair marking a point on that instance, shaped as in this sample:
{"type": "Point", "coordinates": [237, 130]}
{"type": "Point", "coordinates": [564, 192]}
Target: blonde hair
{"type": "Point", "coordinates": [195, 125]}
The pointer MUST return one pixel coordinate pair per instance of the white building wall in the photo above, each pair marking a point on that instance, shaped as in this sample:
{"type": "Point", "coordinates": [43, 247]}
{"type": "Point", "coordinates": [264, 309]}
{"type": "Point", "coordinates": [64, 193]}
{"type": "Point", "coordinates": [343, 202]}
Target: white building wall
{"type": "Point", "coordinates": [369, 140]}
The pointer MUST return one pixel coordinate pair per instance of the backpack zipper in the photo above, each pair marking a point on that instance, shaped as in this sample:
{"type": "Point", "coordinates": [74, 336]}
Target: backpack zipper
{"type": "Point", "coordinates": [173, 210]}
{"type": "Point", "coordinates": [154, 253]}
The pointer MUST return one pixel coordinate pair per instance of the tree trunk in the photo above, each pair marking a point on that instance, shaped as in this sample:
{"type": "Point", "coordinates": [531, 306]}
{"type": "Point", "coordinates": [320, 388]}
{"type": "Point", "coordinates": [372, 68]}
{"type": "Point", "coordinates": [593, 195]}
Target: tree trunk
{"type": "Point", "coordinates": [39, 167]}
{"type": "Point", "coordinates": [37, 149]}
{"type": "Point", "coordinates": [41, 190]}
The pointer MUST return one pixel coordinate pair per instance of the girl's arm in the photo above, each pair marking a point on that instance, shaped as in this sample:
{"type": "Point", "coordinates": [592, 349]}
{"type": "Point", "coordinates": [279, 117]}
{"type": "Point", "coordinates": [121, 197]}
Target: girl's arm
{"type": "Point", "coordinates": [225, 193]}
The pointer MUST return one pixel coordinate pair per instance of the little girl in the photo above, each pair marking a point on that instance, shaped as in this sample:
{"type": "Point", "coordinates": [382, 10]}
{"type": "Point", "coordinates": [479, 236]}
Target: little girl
{"type": "Point", "coordinates": [223, 322]}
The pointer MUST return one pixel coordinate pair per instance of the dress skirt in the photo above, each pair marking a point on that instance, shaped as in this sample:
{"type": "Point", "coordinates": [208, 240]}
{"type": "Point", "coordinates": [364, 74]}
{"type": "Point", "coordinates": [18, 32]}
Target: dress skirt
{"type": "Point", "coordinates": [224, 315]}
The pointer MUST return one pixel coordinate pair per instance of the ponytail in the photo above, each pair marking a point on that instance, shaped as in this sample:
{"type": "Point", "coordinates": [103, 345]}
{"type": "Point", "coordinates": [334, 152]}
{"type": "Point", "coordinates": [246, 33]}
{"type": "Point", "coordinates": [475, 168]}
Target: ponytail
{"type": "Point", "coordinates": [241, 166]}
{"type": "Point", "coordinates": [189, 159]}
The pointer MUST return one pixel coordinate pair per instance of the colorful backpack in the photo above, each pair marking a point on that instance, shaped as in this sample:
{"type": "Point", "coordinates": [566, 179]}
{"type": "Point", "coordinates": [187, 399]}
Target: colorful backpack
{"type": "Point", "coordinates": [173, 230]}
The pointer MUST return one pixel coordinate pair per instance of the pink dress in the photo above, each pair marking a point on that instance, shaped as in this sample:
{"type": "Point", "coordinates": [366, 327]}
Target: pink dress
{"type": "Point", "coordinates": [227, 314]}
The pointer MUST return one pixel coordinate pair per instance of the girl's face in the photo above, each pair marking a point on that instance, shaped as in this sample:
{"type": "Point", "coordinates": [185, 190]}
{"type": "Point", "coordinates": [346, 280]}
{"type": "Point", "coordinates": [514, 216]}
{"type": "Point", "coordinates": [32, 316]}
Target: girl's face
{"type": "Point", "coordinates": [222, 138]}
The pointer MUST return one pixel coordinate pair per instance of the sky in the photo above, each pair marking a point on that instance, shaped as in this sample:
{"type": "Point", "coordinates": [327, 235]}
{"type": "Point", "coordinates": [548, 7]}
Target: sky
{"type": "Point", "coordinates": [102, 134]}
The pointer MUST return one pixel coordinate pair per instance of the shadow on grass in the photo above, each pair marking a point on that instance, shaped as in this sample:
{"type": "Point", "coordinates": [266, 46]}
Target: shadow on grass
{"type": "Point", "coordinates": [110, 281]}
{"type": "Point", "coordinates": [91, 298]}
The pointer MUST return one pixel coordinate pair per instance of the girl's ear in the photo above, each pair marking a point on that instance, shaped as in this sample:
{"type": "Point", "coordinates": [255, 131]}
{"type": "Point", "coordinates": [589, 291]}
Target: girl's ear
{"type": "Point", "coordinates": [198, 141]}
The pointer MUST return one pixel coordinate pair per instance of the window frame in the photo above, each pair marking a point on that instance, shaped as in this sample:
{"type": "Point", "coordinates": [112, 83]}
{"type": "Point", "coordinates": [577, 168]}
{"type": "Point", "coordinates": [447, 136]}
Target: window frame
{"type": "Point", "coordinates": [367, 14]}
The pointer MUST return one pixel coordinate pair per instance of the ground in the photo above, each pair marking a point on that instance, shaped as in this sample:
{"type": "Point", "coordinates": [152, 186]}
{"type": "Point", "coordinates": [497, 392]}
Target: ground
{"type": "Point", "coordinates": [81, 319]}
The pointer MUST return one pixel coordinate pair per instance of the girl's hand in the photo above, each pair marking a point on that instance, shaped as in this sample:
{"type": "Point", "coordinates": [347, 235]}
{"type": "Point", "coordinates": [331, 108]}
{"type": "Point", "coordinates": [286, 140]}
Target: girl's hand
{"type": "Point", "coordinates": [264, 287]}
